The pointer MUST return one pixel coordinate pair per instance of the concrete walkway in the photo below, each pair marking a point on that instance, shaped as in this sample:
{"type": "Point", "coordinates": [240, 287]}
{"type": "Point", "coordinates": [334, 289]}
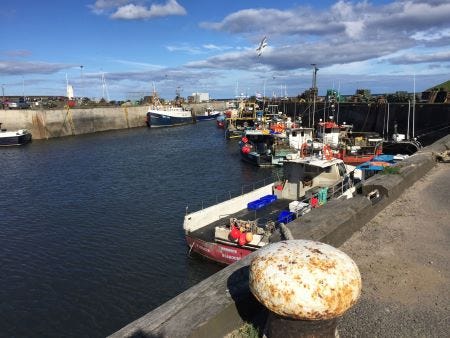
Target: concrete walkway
{"type": "Point", "coordinates": [404, 258]}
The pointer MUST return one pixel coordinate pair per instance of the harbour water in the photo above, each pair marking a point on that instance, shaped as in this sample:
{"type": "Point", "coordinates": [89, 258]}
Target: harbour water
{"type": "Point", "coordinates": [91, 231]}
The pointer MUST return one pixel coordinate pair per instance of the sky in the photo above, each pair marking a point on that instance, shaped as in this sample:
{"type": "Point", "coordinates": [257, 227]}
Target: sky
{"type": "Point", "coordinates": [125, 49]}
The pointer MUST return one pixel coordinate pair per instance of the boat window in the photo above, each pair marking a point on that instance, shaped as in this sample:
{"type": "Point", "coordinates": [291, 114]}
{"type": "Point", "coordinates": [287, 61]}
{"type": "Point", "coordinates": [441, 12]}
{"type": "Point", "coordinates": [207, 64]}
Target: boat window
{"type": "Point", "coordinates": [342, 170]}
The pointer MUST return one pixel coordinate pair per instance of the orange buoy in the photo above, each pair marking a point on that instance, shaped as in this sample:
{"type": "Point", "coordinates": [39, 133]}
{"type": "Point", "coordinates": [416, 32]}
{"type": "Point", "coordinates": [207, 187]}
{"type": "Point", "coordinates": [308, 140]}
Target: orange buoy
{"type": "Point", "coordinates": [249, 237]}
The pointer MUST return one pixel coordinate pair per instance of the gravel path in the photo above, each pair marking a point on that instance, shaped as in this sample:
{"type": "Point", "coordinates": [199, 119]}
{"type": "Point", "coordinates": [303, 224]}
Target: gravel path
{"type": "Point", "coordinates": [404, 258]}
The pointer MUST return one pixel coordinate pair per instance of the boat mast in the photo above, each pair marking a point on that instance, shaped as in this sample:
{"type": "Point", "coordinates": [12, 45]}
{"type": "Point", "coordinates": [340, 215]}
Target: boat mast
{"type": "Point", "coordinates": [409, 111]}
{"type": "Point", "coordinates": [315, 69]}
{"type": "Point", "coordinates": [414, 105]}
{"type": "Point", "coordinates": [338, 98]}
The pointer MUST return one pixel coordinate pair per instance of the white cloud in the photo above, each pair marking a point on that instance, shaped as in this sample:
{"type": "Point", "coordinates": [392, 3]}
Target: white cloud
{"type": "Point", "coordinates": [439, 57]}
{"type": "Point", "coordinates": [347, 33]}
{"type": "Point", "coordinates": [184, 48]}
{"type": "Point", "coordinates": [100, 6]}
{"type": "Point", "coordinates": [134, 12]}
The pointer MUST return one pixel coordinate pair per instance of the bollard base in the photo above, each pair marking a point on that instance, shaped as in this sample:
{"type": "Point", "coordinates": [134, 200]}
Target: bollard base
{"type": "Point", "coordinates": [282, 327]}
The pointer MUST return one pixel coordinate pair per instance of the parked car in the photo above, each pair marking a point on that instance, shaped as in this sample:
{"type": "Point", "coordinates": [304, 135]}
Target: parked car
{"type": "Point", "coordinates": [19, 104]}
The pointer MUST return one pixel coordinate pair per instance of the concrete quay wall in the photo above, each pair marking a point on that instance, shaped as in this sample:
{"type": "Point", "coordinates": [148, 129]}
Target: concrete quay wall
{"type": "Point", "coordinates": [45, 124]}
{"type": "Point", "coordinates": [220, 303]}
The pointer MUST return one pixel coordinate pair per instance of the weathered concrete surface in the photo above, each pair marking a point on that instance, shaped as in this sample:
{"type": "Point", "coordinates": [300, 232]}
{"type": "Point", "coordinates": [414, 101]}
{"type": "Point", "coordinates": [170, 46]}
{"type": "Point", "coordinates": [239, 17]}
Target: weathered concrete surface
{"type": "Point", "coordinates": [45, 124]}
{"type": "Point", "coordinates": [220, 303]}
{"type": "Point", "coordinates": [404, 258]}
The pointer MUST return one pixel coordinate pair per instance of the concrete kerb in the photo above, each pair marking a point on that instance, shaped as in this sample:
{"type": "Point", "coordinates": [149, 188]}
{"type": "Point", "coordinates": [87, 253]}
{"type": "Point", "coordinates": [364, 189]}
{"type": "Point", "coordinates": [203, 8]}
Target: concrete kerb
{"type": "Point", "coordinates": [221, 303]}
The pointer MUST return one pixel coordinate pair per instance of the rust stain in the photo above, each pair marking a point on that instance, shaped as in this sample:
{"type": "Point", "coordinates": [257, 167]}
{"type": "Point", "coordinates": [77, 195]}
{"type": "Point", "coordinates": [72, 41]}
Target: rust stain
{"type": "Point", "coordinates": [316, 251]}
{"type": "Point", "coordinates": [323, 265]}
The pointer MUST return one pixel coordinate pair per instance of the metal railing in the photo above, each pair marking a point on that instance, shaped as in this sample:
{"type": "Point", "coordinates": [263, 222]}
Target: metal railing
{"type": "Point", "coordinates": [192, 207]}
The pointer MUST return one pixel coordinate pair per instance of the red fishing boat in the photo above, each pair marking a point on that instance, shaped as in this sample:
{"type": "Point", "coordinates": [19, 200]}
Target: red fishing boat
{"type": "Point", "coordinates": [352, 147]}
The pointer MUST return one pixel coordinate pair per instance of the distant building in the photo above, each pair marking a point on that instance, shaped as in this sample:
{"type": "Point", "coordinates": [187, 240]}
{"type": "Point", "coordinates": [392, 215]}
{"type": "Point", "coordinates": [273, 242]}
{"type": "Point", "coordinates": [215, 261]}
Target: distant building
{"type": "Point", "coordinates": [200, 97]}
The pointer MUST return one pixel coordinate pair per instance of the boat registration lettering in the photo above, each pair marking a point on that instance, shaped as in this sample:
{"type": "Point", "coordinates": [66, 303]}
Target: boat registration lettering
{"type": "Point", "coordinates": [203, 248]}
{"type": "Point", "coordinates": [228, 250]}
{"type": "Point", "coordinates": [234, 258]}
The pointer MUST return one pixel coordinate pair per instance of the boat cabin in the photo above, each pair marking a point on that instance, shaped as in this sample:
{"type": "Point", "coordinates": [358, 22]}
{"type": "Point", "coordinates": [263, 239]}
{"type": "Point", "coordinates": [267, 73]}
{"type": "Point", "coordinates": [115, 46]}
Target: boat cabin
{"type": "Point", "coordinates": [305, 176]}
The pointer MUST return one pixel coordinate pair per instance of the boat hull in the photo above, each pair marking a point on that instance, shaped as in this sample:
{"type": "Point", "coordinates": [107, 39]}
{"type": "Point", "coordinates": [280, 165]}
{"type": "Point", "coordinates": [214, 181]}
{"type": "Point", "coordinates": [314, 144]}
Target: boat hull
{"type": "Point", "coordinates": [356, 160]}
{"type": "Point", "coordinates": [207, 117]}
{"type": "Point", "coordinates": [15, 140]}
{"type": "Point", "coordinates": [257, 159]}
{"type": "Point", "coordinates": [159, 119]}
{"type": "Point", "coordinates": [402, 147]}
{"type": "Point", "coordinates": [217, 252]}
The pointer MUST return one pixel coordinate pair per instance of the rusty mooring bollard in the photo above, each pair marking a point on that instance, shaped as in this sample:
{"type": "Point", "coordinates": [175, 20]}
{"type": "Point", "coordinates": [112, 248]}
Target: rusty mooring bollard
{"type": "Point", "coordinates": [306, 285]}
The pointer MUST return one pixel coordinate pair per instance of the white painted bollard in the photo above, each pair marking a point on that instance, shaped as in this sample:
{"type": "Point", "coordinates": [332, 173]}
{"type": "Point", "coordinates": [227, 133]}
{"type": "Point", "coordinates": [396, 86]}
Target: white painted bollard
{"type": "Point", "coordinates": [306, 285]}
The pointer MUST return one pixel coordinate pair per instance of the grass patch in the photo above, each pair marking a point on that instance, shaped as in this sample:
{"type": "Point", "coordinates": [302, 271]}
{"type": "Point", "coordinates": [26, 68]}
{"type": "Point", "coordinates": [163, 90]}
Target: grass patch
{"type": "Point", "coordinates": [247, 330]}
{"type": "Point", "coordinates": [390, 171]}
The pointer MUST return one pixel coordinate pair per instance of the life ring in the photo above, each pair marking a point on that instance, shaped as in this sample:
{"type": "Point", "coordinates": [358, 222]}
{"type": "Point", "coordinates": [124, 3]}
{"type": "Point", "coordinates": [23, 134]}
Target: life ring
{"type": "Point", "coordinates": [303, 149]}
{"type": "Point", "coordinates": [328, 153]}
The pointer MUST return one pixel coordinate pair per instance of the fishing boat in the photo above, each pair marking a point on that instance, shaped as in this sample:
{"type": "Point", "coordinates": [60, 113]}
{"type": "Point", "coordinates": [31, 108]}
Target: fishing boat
{"type": "Point", "coordinates": [228, 231]}
{"type": "Point", "coordinates": [244, 118]}
{"type": "Point", "coordinates": [352, 147]}
{"type": "Point", "coordinates": [268, 147]}
{"type": "Point", "coordinates": [160, 115]}
{"type": "Point", "coordinates": [400, 145]}
{"type": "Point", "coordinates": [209, 114]}
{"type": "Point", "coordinates": [14, 138]}
{"type": "Point", "coordinates": [220, 121]}
{"type": "Point", "coordinates": [359, 148]}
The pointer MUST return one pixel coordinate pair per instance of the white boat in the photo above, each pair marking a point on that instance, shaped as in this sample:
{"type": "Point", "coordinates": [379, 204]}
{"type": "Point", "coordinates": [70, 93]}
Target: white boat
{"type": "Point", "coordinates": [169, 116]}
{"type": "Point", "coordinates": [14, 138]}
{"type": "Point", "coordinates": [160, 115]}
{"type": "Point", "coordinates": [209, 114]}
{"type": "Point", "coordinates": [230, 230]}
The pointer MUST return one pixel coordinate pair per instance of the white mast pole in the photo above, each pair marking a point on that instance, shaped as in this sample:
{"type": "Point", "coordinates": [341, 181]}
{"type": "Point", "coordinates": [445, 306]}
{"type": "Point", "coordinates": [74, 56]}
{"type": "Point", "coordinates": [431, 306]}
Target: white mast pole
{"type": "Point", "coordinates": [414, 106]}
{"type": "Point", "coordinates": [409, 110]}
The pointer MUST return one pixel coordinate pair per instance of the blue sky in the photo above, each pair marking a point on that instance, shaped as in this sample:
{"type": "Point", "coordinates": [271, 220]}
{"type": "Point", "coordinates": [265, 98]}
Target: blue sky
{"type": "Point", "coordinates": [210, 46]}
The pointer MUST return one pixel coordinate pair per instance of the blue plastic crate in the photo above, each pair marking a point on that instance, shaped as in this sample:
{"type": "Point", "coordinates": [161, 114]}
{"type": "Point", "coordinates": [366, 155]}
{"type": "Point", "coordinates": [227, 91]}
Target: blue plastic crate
{"type": "Point", "coordinates": [286, 216]}
{"type": "Point", "coordinates": [269, 198]}
{"type": "Point", "coordinates": [255, 205]}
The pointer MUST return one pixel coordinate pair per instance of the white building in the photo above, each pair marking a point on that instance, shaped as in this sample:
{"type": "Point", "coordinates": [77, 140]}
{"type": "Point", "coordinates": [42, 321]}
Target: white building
{"type": "Point", "coordinates": [200, 97]}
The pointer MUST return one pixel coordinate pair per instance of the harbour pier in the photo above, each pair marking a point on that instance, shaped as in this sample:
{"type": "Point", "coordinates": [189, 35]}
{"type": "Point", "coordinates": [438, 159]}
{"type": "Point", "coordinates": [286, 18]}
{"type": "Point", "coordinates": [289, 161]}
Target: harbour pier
{"type": "Point", "coordinates": [222, 303]}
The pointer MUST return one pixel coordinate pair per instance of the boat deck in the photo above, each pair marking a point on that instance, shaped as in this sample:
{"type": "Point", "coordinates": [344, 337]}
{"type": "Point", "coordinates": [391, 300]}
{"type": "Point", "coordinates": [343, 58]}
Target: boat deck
{"type": "Point", "coordinates": [269, 212]}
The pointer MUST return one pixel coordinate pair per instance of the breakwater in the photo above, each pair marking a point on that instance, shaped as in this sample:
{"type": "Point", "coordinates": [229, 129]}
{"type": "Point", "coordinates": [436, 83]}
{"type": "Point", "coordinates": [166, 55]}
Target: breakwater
{"type": "Point", "coordinates": [222, 302]}
{"type": "Point", "coordinates": [46, 124]}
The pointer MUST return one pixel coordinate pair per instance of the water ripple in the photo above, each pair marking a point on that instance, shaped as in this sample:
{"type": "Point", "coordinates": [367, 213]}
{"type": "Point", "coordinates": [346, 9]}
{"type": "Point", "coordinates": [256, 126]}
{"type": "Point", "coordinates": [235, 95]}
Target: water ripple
{"type": "Point", "coordinates": [91, 227]}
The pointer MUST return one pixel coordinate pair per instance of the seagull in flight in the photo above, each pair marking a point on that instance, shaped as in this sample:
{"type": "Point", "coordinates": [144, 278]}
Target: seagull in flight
{"type": "Point", "coordinates": [261, 46]}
